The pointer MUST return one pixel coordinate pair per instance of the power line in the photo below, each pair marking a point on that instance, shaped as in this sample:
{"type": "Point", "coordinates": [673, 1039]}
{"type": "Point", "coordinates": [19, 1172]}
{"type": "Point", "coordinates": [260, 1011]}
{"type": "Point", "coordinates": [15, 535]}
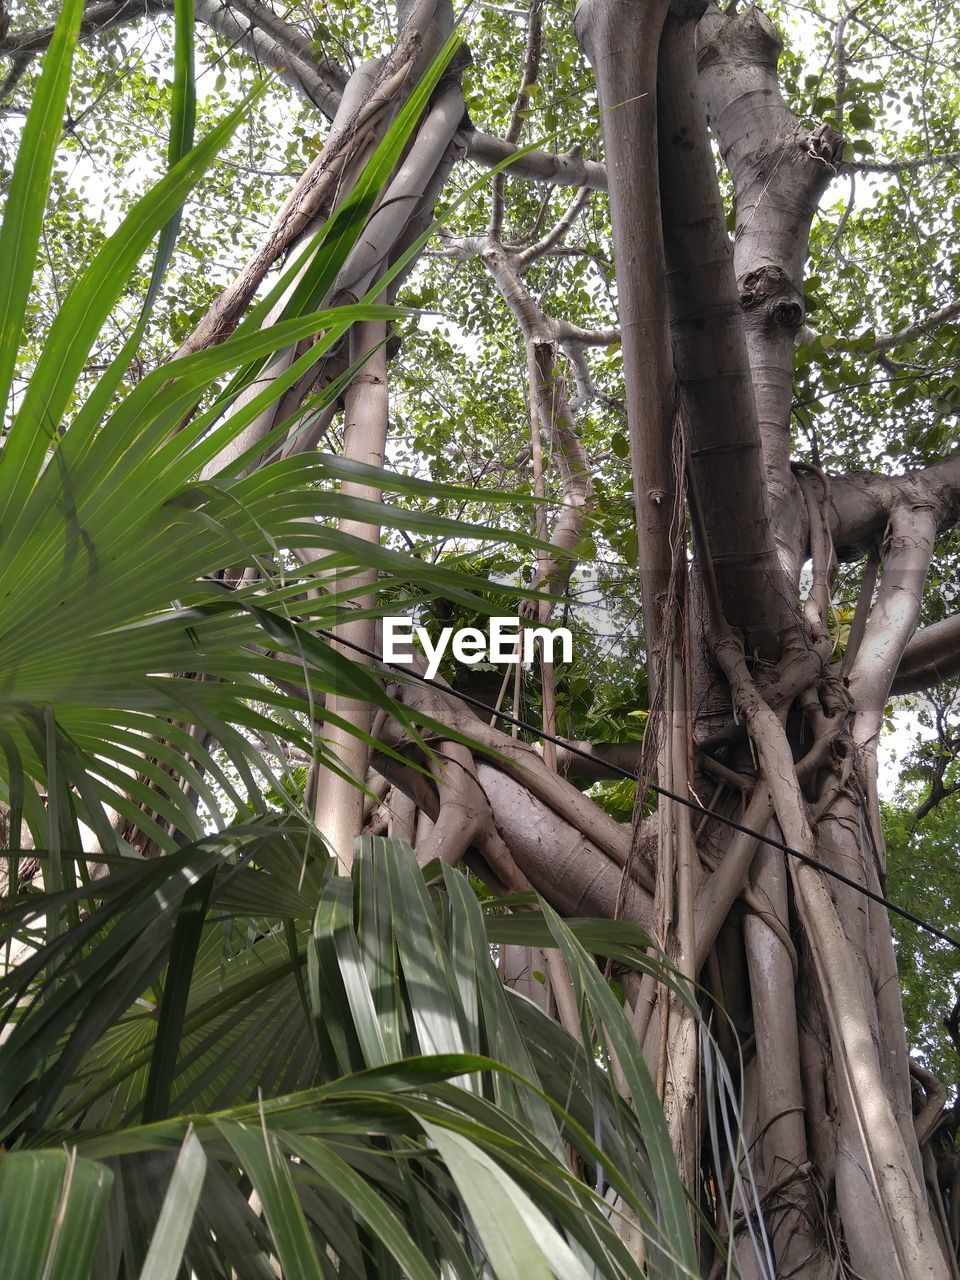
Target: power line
{"type": "Point", "coordinates": [772, 841]}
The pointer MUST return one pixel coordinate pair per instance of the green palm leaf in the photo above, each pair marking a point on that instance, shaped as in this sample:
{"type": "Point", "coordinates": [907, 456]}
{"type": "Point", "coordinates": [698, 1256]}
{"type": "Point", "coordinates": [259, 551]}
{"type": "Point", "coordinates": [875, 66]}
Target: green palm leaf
{"type": "Point", "coordinates": [27, 196]}
{"type": "Point", "coordinates": [438, 1151]}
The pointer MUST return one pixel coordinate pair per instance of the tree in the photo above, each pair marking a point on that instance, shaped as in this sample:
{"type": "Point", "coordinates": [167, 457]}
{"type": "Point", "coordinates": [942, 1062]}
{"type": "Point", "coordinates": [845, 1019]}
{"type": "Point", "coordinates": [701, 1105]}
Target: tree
{"type": "Point", "coordinates": [764, 702]}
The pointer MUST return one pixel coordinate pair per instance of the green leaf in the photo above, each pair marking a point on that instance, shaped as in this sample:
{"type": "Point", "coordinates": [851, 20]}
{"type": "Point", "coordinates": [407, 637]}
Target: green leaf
{"type": "Point", "coordinates": [51, 1207]}
{"type": "Point", "coordinates": [165, 1255]}
{"type": "Point", "coordinates": [176, 991]}
{"type": "Point", "coordinates": [337, 1175]}
{"type": "Point", "coordinates": [674, 1250]}
{"type": "Point", "coordinates": [85, 308]}
{"type": "Point", "coordinates": [182, 120]}
{"type": "Point", "coordinates": [27, 196]}
{"type": "Point", "coordinates": [269, 1171]}
{"type": "Point", "coordinates": [521, 1243]}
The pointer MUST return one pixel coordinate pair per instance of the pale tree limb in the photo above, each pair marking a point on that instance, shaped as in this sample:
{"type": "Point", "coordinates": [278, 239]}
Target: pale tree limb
{"type": "Point", "coordinates": [521, 762]}
{"type": "Point", "coordinates": [571, 851]}
{"type": "Point", "coordinates": [557, 233]}
{"type": "Point", "coordinates": [550, 415]}
{"type": "Point", "coordinates": [850, 837]}
{"type": "Point", "coordinates": [547, 397]}
{"type": "Point", "coordinates": [540, 408]}
{"type": "Point", "coordinates": [401, 215]}
{"type": "Point", "coordinates": [402, 821]}
{"type": "Point", "coordinates": [565, 865]}
{"type": "Point", "coordinates": [861, 503]}
{"type": "Point", "coordinates": [725, 459]}
{"type": "Point", "coordinates": [404, 194]}
{"type": "Point", "coordinates": [338, 806]}
{"type": "Point", "coordinates": [906, 557]}
{"type": "Point", "coordinates": [568, 170]}
{"type": "Point", "coordinates": [528, 78]}
{"type": "Point", "coordinates": [720, 891]}
{"type": "Point", "coordinates": [281, 47]}
{"type": "Point", "coordinates": [880, 345]}
{"type": "Point", "coordinates": [523, 969]}
{"type": "Point", "coordinates": [247, 24]}
{"type": "Point", "coordinates": [366, 107]}
{"type": "Point", "coordinates": [448, 790]}
{"type": "Point", "coordinates": [370, 99]}
{"type": "Point", "coordinates": [621, 40]}
{"type": "Point", "coordinates": [780, 170]}
{"type": "Point", "coordinates": [606, 759]}
{"type": "Point", "coordinates": [678, 1024]}
{"type": "Point", "coordinates": [908, 164]}
{"type": "Point", "coordinates": [782, 1152]}
{"type": "Point", "coordinates": [921, 328]}
{"type": "Point", "coordinates": [930, 1114]}
{"type": "Point", "coordinates": [464, 818]}
{"type": "Point", "coordinates": [96, 19]}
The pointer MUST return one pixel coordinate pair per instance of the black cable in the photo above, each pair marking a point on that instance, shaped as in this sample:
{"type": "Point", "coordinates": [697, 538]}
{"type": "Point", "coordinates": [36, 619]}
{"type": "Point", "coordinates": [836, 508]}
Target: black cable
{"type": "Point", "coordinates": [652, 786]}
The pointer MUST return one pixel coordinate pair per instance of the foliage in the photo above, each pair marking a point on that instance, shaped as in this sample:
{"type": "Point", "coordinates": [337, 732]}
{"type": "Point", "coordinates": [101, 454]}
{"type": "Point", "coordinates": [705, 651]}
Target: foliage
{"type": "Point", "coordinates": [231, 1023]}
{"type": "Point", "coordinates": [341, 1048]}
{"type": "Point", "coordinates": [923, 877]}
{"type": "Point", "coordinates": [922, 828]}
{"type": "Point", "coordinates": [118, 627]}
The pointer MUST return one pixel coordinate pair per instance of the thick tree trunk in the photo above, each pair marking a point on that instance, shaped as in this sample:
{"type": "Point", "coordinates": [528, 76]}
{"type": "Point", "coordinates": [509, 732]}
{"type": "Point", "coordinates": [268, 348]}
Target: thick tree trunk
{"type": "Point", "coordinates": [621, 39]}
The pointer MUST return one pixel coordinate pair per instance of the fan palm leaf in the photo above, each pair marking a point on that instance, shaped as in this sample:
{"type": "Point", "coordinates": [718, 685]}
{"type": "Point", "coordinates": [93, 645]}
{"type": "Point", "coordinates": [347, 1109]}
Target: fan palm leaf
{"type": "Point", "coordinates": [362, 1071]}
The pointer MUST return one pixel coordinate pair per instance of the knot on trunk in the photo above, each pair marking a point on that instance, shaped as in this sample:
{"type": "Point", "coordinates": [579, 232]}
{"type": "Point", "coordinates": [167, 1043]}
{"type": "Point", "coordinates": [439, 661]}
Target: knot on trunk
{"type": "Point", "coordinates": [768, 290]}
{"type": "Point", "coordinates": [825, 145]}
{"type": "Point", "coordinates": [747, 39]}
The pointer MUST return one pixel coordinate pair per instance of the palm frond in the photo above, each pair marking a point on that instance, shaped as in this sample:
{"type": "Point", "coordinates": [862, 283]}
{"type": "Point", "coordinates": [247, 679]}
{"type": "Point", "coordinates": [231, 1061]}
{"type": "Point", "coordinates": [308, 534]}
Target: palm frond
{"type": "Point", "coordinates": [435, 1116]}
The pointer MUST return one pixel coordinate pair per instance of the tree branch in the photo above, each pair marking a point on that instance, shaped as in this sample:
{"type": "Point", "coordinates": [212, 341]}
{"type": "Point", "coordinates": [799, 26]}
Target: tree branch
{"type": "Point", "coordinates": [888, 341]}
{"type": "Point", "coordinates": [898, 1224]}
{"type": "Point", "coordinates": [251, 26]}
{"type": "Point", "coordinates": [531, 69]}
{"type": "Point", "coordinates": [725, 462]}
{"type": "Point", "coordinates": [780, 170]}
{"type": "Point", "coordinates": [557, 232]}
{"type": "Point", "coordinates": [621, 39]}
{"type": "Point", "coordinates": [931, 656]}
{"type": "Point", "coordinates": [338, 803]}
{"type": "Point", "coordinates": [861, 503]}
{"type": "Point", "coordinates": [371, 96]}
{"type": "Point", "coordinates": [567, 170]}
{"type": "Point", "coordinates": [247, 24]}
{"type": "Point", "coordinates": [906, 165]}
{"type": "Point", "coordinates": [283, 48]}
{"type": "Point", "coordinates": [96, 18]}
{"type": "Point", "coordinates": [908, 548]}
